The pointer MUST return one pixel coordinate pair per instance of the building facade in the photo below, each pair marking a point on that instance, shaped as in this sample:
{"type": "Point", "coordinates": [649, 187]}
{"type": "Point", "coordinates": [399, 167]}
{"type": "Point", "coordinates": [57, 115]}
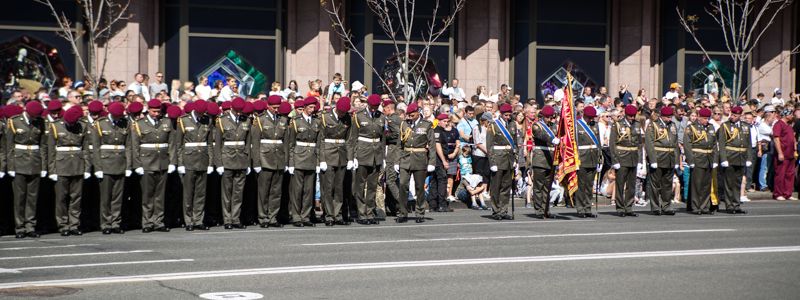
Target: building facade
{"type": "Point", "coordinates": [524, 43]}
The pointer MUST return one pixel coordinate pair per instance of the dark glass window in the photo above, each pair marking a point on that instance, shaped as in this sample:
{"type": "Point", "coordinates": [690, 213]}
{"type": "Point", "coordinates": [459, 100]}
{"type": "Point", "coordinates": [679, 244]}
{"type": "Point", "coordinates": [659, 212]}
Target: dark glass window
{"type": "Point", "coordinates": [591, 63]}
{"type": "Point", "coordinates": [205, 51]}
{"type": "Point", "coordinates": [559, 34]}
{"type": "Point", "coordinates": [439, 55]}
{"type": "Point", "coordinates": [29, 13]}
{"type": "Point", "coordinates": [49, 40]}
{"type": "Point", "coordinates": [698, 67]}
{"type": "Point", "coordinates": [172, 41]}
{"type": "Point", "coordinates": [574, 11]}
{"type": "Point", "coordinates": [232, 21]}
{"type": "Point", "coordinates": [521, 34]}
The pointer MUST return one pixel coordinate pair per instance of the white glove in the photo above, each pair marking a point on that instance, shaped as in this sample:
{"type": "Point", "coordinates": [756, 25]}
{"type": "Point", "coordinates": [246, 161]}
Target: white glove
{"type": "Point", "coordinates": [677, 166]}
{"type": "Point", "coordinates": [714, 165]}
{"type": "Point", "coordinates": [355, 164]}
{"type": "Point", "coordinates": [2, 174]}
{"type": "Point", "coordinates": [98, 174]}
{"type": "Point", "coordinates": [291, 170]}
{"type": "Point", "coordinates": [220, 170]}
{"type": "Point", "coordinates": [431, 168]}
{"type": "Point", "coordinates": [691, 166]}
{"type": "Point", "coordinates": [725, 164]}
{"type": "Point", "coordinates": [316, 169]}
{"type": "Point", "coordinates": [210, 170]}
{"type": "Point", "coordinates": [181, 170]}
{"type": "Point", "coordinates": [556, 141]}
{"type": "Point", "coordinates": [128, 173]}
{"type": "Point", "coordinates": [746, 164]}
{"type": "Point", "coordinates": [53, 177]}
{"type": "Point", "coordinates": [397, 168]}
{"type": "Point", "coordinates": [86, 175]}
{"type": "Point", "coordinates": [286, 169]}
{"type": "Point", "coordinates": [616, 166]}
{"type": "Point", "coordinates": [598, 169]}
{"type": "Point", "coordinates": [44, 174]}
{"type": "Point", "coordinates": [139, 171]}
{"type": "Point", "coordinates": [349, 165]}
{"type": "Point", "coordinates": [247, 172]}
{"type": "Point", "coordinates": [654, 165]}
{"type": "Point", "coordinates": [171, 169]}
{"type": "Point", "coordinates": [493, 169]}
{"type": "Point", "coordinates": [12, 173]}
{"type": "Point", "coordinates": [257, 169]}
{"type": "Point", "coordinates": [323, 166]}
{"type": "Point", "coordinates": [384, 162]}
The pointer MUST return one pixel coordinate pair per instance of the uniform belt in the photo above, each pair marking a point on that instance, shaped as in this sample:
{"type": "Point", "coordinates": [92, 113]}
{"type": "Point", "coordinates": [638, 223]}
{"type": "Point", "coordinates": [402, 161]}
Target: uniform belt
{"type": "Point", "coordinates": [544, 148]}
{"type": "Point", "coordinates": [623, 148]}
{"type": "Point", "coordinates": [26, 147]}
{"type": "Point", "coordinates": [335, 141]}
{"type": "Point", "coordinates": [155, 146]}
{"type": "Point", "coordinates": [304, 144]}
{"type": "Point", "coordinates": [706, 151]}
{"type": "Point", "coordinates": [735, 149]}
{"type": "Point", "coordinates": [501, 147]}
{"type": "Point", "coordinates": [664, 149]}
{"type": "Point", "coordinates": [416, 150]}
{"type": "Point", "coordinates": [233, 143]}
{"type": "Point", "coordinates": [587, 147]}
{"type": "Point", "coordinates": [198, 144]}
{"type": "Point", "coordinates": [268, 141]}
{"type": "Point", "coordinates": [67, 148]}
{"type": "Point", "coordinates": [368, 140]}
{"type": "Point", "coordinates": [112, 147]}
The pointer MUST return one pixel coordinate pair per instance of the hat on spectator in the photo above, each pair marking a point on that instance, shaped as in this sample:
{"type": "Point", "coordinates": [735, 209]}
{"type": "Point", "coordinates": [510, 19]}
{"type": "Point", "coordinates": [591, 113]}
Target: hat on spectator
{"type": "Point", "coordinates": [237, 104]}
{"type": "Point", "coordinates": [357, 85]}
{"type": "Point", "coordinates": [309, 101]}
{"type": "Point", "coordinates": [116, 109]}
{"type": "Point", "coordinates": [54, 105]}
{"type": "Point", "coordinates": [442, 117]}
{"type": "Point", "coordinates": [778, 91]}
{"type": "Point", "coordinates": [589, 112]}
{"type": "Point", "coordinates": [73, 114]}
{"type": "Point", "coordinates": [274, 100]}
{"type": "Point", "coordinates": [666, 111]}
{"type": "Point", "coordinates": [487, 116]}
{"type": "Point", "coordinates": [769, 108]}
{"type": "Point", "coordinates": [705, 112]}
{"type": "Point", "coordinates": [135, 108]}
{"type": "Point", "coordinates": [674, 85]}
{"type": "Point", "coordinates": [506, 108]}
{"type": "Point", "coordinates": [173, 111]}
{"type": "Point", "coordinates": [78, 84]}
{"type": "Point", "coordinates": [285, 108]}
{"type": "Point", "coordinates": [213, 109]}
{"type": "Point", "coordinates": [154, 103]}
{"type": "Point", "coordinates": [737, 110]}
{"type": "Point", "coordinates": [548, 111]}
{"type": "Point", "coordinates": [343, 104]}
{"type": "Point", "coordinates": [260, 105]}
{"type": "Point", "coordinates": [95, 107]}
{"type": "Point", "coordinates": [374, 100]}
{"type": "Point", "coordinates": [786, 112]}
{"type": "Point", "coordinates": [630, 110]}
{"type": "Point", "coordinates": [200, 106]}
{"type": "Point", "coordinates": [412, 107]}
{"type": "Point", "coordinates": [34, 108]}
{"type": "Point", "coordinates": [12, 111]}
{"type": "Point", "coordinates": [248, 108]}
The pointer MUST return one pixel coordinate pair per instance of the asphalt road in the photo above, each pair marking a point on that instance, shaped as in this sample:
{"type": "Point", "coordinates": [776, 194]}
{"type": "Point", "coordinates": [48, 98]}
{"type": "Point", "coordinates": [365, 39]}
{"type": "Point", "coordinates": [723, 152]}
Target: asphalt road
{"type": "Point", "coordinates": [454, 255]}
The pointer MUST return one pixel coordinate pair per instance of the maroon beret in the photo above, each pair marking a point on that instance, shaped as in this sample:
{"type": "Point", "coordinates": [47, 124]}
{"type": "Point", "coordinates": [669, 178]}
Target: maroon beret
{"type": "Point", "coordinates": [374, 100]}
{"type": "Point", "coordinates": [135, 107]}
{"type": "Point", "coordinates": [412, 107]}
{"type": "Point", "coordinates": [116, 109]}
{"type": "Point", "coordinates": [226, 105]}
{"type": "Point", "coordinates": [95, 107]}
{"type": "Point", "coordinates": [260, 105]}
{"type": "Point", "coordinates": [34, 108]}
{"type": "Point", "coordinates": [737, 110]}
{"type": "Point", "coordinates": [285, 108]}
{"type": "Point", "coordinates": [506, 108]}
{"type": "Point", "coordinates": [666, 111]}
{"type": "Point", "coordinates": [248, 108]}
{"type": "Point", "coordinates": [274, 100]}
{"type": "Point", "coordinates": [200, 106]}
{"type": "Point", "coordinates": [213, 109]}
{"type": "Point", "coordinates": [343, 104]}
{"type": "Point", "coordinates": [309, 101]}
{"type": "Point", "coordinates": [154, 103]}
{"type": "Point", "coordinates": [630, 110]}
{"type": "Point", "coordinates": [548, 111]}
{"type": "Point", "coordinates": [237, 104]}
{"type": "Point", "coordinates": [442, 117]}
{"type": "Point", "coordinates": [44, 113]}
{"type": "Point", "coordinates": [173, 112]}
{"type": "Point", "coordinates": [705, 113]}
{"type": "Point", "coordinates": [387, 102]}
{"type": "Point", "coordinates": [298, 103]}
{"type": "Point", "coordinates": [73, 114]}
{"type": "Point", "coordinates": [13, 111]}
{"type": "Point", "coordinates": [54, 105]}
{"type": "Point", "coordinates": [189, 107]}
{"type": "Point", "coordinates": [589, 112]}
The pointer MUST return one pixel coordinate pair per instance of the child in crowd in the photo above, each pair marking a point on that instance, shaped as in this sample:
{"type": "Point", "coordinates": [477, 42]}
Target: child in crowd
{"type": "Point", "coordinates": [472, 183]}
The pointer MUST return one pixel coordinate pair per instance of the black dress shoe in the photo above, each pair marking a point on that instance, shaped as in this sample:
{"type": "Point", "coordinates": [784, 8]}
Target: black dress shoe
{"type": "Point", "coordinates": [75, 232]}
{"type": "Point", "coordinates": [731, 211]}
{"type": "Point", "coordinates": [582, 215]}
{"type": "Point", "coordinates": [65, 233]}
{"type": "Point", "coordinates": [239, 226]}
{"type": "Point", "coordinates": [21, 235]}
{"type": "Point", "coordinates": [263, 225]}
{"type": "Point", "coordinates": [342, 222]}
{"type": "Point", "coordinates": [657, 213]}
{"type": "Point", "coordinates": [591, 215]}
{"type": "Point", "coordinates": [107, 231]}
{"type": "Point", "coordinates": [228, 226]}
{"type": "Point", "coordinates": [362, 222]}
{"type": "Point", "coordinates": [740, 211]}
{"type": "Point", "coordinates": [298, 224]}
{"type": "Point", "coordinates": [373, 222]}
{"type": "Point", "coordinates": [631, 214]}
{"type": "Point", "coordinates": [309, 224]}
{"type": "Point", "coordinates": [507, 217]}
{"type": "Point", "coordinates": [445, 209]}
{"type": "Point", "coordinates": [190, 228]}
{"type": "Point", "coordinates": [117, 230]}
{"type": "Point", "coordinates": [329, 223]}
{"type": "Point", "coordinates": [669, 213]}
{"type": "Point", "coordinates": [32, 234]}
{"type": "Point", "coordinates": [420, 220]}
{"type": "Point", "coordinates": [621, 214]}
{"type": "Point", "coordinates": [276, 225]}
{"type": "Point", "coordinates": [201, 227]}
{"type": "Point", "coordinates": [162, 229]}
{"type": "Point", "coordinates": [401, 220]}
{"type": "Point", "coordinates": [147, 230]}
{"type": "Point", "coordinates": [712, 212]}
{"type": "Point", "coordinates": [497, 217]}
{"type": "Point", "coordinates": [548, 216]}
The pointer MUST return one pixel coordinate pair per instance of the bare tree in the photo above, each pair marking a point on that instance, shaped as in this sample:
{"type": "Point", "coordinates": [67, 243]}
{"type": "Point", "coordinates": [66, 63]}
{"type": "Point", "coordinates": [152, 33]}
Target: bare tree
{"type": "Point", "coordinates": [396, 18]}
{"type": "Point", "coordinates": [99, 18]}
{"type": "Point", "coordinates": [743, 24]}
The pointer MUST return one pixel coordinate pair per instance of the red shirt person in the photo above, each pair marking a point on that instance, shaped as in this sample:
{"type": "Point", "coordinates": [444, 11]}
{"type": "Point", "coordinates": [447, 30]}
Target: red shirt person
{"type": "Point", "coordinates": [785, 162]}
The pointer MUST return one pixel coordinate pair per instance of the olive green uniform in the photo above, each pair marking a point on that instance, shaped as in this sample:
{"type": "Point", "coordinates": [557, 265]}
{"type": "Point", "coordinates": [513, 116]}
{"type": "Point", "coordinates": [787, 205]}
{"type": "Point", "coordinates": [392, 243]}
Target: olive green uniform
{"type": "Point", "coordinates": [112, 156]}
{"type": "Point", "coordinates": [590, 157]}
{"type": "Point", "coordinates": [26, 156]}
{"type": "Point", "coordinates": [625, 144]}
{"type": "Point", "coordinates": [501, 155]}
{"type": "Point", "coordinates": [68, 159]}
{"type": "Point", "coordinates": [304, 157]}
{"type": "Point", "coordinates": [333, 151]}
{"type": "Point", "coordinates": [270, 153]}
{"type": "Point", "coordinates": [734, 147]}
{"type": "Point", "coordinates": [194, 146]}
{"type": "Point", "coordinates": [232, 152]}
{"type": "Point", "coordinates": [661, 145]}
{"type": "Point", "coordinates": [393, 153]}
{"type": "Point", "coordinates": [150, 150]}
{"type": "Point", "coordinates": [540, 162]}
{"type": "Point", "coordinates": [366, 144]}
{"type": "Point", "coordinates": [700, 148]}
{"type": "Point", "coordinates": [418, 152]}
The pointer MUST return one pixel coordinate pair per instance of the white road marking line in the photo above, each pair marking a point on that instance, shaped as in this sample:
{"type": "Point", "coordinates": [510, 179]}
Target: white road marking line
{"type": "Point", "coordinates": [753, 216]}
{"type": "Point", "coordinates": [29, 241]}
{"type": "Point", "coordinates": [359, 227]}
{"type": "Point", "coordinates": [390, 265]}
{"type": "Point", "coordinates": [75, 254]}
{"type": "Point", "coordinates": [47, 247]}
{"type": "Point", "coordinates": [517, 237]}
{"type": "Point", "coordinates": [105, 264]}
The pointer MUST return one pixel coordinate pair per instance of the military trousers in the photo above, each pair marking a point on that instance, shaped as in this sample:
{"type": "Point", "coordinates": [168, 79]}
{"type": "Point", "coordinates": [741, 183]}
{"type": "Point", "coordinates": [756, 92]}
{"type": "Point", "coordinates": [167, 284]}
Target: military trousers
{"type": "Point", "coordinates": [659, 184]}
{"type": "Point", "coordinates": [332, 193]}
{"type": "Point", "coordinates": [69, 190]}
{"type": "Point", "coordinates": [26, 194]}
{"type": "Point", "coordinates": [232, 193]}
{"type": "Point", "coordinates": [437, 195]}
{"type": "Point", "coordinates": [270, 186]}
{"type": "Point", "coordinates": [701, 189]}
{"type": "Point", "coordinates": [542, 183]}
{"type": "Point", "coordinates": [625, 183]}
{"type": "Point", "coordinates": [583, 196]}
{"type": "Point", "coordinates": [500, 190]}
{"type": "Point", "coordinates": [194, 196]}
{"type": "Point", "coordinates": [419, 190]}
{"type": "Point", "coordinates": [392, 190]}
{"type": "Point", "coordinates": [366, 177]}
{"type": "Point", "coordinates": [154, 185]}
{"type": "Point", "coordinates": [733, 184]}
{"type": "Point", "coordinates": [302, 194]}
{"type": "Point", "coordinates": [111, 189]}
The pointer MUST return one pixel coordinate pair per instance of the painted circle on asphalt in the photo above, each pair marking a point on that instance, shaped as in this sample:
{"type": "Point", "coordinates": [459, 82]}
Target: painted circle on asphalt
{"type": "Point", "coordinates": [231, 296]}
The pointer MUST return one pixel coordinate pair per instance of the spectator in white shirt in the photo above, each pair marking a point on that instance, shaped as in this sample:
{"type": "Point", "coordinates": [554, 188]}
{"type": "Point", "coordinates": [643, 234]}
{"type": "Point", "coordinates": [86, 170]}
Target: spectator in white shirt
{"type": "Point", "coordinates": [454, 92]}
{"type": "Point", "coordinates": [229, 91]}
{"type": "Point", "coordinates": [673, 92]}
{"type": "Point", "coordinates": [159, 85]}
{"type": "Point", "coordinates": [777, 98]}
{"type": "Point", "coordinates": [138, 87]}
{"type": "Point", "coordinates": [203, 90]}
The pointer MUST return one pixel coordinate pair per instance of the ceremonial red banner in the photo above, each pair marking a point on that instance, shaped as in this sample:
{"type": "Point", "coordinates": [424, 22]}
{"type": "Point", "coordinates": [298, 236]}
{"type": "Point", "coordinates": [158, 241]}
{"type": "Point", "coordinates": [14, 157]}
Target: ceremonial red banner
{"type": "Point", "coordinates": [567, 155]}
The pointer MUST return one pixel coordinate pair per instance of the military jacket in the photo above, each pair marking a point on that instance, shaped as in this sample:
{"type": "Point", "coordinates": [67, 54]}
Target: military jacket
{"type": "Point", "coordinates": [625, 143]}
{"type": "Point", "coordinates": [700, 145]}
{"type": "Point", "coordinates": [735, 143]}
{"type": "Point", "coordinates": [541, 156]}
{"type": "Point", "coordinates": [661, 144]}
{"type": "Point", "coordinates": [392, 136]}
{"type": "Point", "coordinates": [501, 151]}
{"type": "Point", "coordinates": [302, 139]}
{"type": "Point", "coordinates": [232, 142]}
{"type": "Point", "coordinates": [418, 145]}
{"type": "Point", "coordinates": [111, 142]}
{"type": "Point", "coordinates": [150, 144]}
{"type": "Point", "coordinates": [367, 142]}
{"type": "Point", "coordinates": [194, 140]}
{"type": "Point", "coordinates": [588, 152]}
{"type": "Point", "coordinates": [270, 150]}
{"type": "Point", "coordinates": [67, 148]}
{"type": "Point", "coordinates": [333, 139]}
{"type": "Point", "coordinates": [26, 145]}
